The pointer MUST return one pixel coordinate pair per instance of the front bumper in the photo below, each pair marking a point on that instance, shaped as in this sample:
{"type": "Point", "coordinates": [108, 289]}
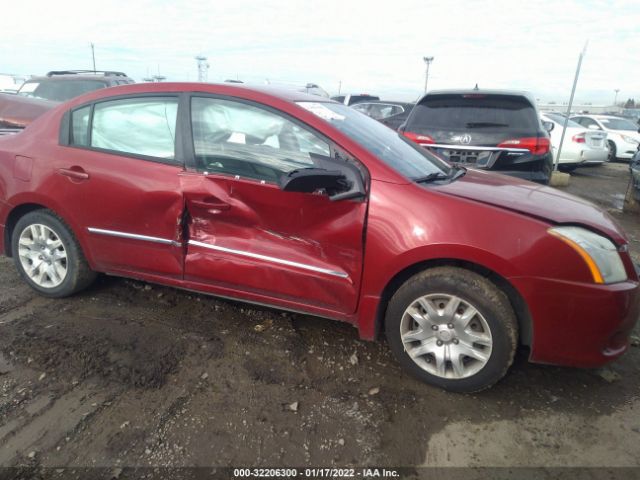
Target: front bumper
{"type": "Point", "coordinates": [577, 324]}
{"type": "Point", "coordinates": [626, 150]}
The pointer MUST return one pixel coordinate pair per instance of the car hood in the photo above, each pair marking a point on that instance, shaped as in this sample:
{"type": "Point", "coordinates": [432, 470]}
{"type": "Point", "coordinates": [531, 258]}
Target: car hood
{"type": "Point", "coordinates": [546, 203]}
{"type": "Point", "coordinates": [628, 133]}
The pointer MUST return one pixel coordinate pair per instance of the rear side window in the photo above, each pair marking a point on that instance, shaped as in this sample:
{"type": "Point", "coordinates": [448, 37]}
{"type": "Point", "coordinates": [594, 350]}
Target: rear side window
{"type": "Point", "coordinates": [464, 112]}
{"type": "Point", "coordinates": [80, 126]}
{"type": "Point", "coordinates": [140, 126]}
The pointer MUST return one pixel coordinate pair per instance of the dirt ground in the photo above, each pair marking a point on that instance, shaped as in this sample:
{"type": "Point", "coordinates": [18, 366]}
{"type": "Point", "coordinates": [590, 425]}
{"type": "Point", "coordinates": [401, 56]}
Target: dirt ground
{"type": "Point", "coordinates": [130, 374]}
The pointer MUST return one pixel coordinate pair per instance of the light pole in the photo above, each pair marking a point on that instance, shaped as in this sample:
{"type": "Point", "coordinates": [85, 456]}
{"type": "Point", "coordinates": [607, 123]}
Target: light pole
{"type": "Point", "coordinates": [427, 61]}
{"type": "Point", "coordinates": [566, 118]}
{"type": "Point", "coordinates": [615, 100]}
{"type": "Point", "coordinates": [93, 56]}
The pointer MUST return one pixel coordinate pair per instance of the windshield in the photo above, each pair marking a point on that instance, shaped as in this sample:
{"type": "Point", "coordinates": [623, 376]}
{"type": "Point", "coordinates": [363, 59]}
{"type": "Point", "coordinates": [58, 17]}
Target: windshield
{"type": "Point", "coordinates": [619, 124]}
{"type": "Point", "coordinates": [59, 90]}
{"type": "Point", "coordinates": [400, 154]}
{"type": "Point", "coordinates": [559, 119]}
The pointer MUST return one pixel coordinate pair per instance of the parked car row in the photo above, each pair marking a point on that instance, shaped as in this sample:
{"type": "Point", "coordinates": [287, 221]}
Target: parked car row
{"type": "Point", "coordinates": [580, 148]}
{"type": "Point", "coordinates": [622, 134]}
{"type": "Point", "coordinates": [501, 131]}
{"type": "Point", "coordinates": [39, 94]}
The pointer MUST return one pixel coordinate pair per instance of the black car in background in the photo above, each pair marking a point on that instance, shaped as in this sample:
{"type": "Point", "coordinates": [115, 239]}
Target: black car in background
{"type": "Point", "coordinates": [63, 85]}
{"type": "Point", "coordinates": [390, 113]}
{"type": "Point", "coordinates": [489, 129]}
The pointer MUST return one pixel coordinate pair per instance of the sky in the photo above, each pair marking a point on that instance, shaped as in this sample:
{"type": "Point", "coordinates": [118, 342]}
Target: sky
{"type": "Point", "coordinates": [355, 46]}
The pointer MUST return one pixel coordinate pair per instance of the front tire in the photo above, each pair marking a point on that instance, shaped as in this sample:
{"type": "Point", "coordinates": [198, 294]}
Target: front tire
{"type": "Point", "coordinates": [452, 328]}
{"type": "Point", "coordinates": [48, 256]}
{"type": "Point", "coordinates": [611, 156]}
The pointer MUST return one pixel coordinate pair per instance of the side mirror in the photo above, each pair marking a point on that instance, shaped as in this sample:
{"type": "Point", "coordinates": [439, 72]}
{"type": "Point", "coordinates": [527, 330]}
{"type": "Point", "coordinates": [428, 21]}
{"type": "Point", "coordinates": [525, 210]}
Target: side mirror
{"type": "Point", "coordinates": [593, 127]}
{"type": "Point", "coordinates": [309, 180]}
{"type": "Point", "coordinates": [548, 126]}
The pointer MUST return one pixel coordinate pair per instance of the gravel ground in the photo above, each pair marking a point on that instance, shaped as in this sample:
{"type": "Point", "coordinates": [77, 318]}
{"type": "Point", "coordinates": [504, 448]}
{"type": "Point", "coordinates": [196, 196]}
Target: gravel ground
{"type": "Point", "coordinates": [130, 374]}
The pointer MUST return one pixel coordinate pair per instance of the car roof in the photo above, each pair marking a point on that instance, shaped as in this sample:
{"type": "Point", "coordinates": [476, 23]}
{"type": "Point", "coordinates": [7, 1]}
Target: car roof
{"type": "Point", "coordinates": [473, 91]}
{"type": "Point", "coordinates": [75, 76]}
{"type": "Point", "coordinates": [241, 90]}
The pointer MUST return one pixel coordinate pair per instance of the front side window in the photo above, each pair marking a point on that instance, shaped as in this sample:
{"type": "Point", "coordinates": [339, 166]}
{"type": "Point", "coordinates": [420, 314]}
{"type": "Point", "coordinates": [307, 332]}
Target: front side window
{"type": "Point", "coordinates": [619, 124]}
{"type": "Point", "coordinates": [240, 139]}
{"type": "Point", "coordinates": [140, 126]}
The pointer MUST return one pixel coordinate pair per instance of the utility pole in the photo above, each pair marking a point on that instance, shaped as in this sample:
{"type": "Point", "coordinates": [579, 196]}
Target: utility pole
{"type": "Point", "coordinates": [93, 56]}
{"type": "Point", "coordinates": [427, 61]}
{"type": "Point", "coordinates": [615, 100]}
{"type": "Point", "coordinates": [339, 86]}
{"type": "Point", "coordinates": [566, 118]}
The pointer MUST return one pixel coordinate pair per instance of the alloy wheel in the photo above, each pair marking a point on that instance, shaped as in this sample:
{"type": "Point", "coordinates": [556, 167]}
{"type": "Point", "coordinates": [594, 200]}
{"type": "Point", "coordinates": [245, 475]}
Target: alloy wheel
{"type": "Point", "coordinates": [42, 255]}
{"type": "Point", "coordinates": [446, 336]}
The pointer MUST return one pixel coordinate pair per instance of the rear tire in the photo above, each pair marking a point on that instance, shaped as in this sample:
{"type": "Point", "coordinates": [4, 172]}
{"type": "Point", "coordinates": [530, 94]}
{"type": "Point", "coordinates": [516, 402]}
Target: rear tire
{"type": "Point", "coordinates": [452, 328]}
{"type": "Point", "coordinates": [48, 256]}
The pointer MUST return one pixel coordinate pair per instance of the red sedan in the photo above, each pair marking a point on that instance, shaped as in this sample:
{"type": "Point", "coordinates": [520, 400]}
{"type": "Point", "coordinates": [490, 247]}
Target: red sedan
{"type": "Point", "coordinates": [298, 202]}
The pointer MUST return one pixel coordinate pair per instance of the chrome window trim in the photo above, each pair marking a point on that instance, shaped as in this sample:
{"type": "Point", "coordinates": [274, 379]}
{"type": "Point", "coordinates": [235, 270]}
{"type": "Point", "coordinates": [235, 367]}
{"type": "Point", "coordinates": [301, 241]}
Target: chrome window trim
{"type": "Point", "coordinates": [270, 259]}
{"type": "Point", "coordinates": [133, 236]}
{"type": "Point", "coordinates": [470, 147]}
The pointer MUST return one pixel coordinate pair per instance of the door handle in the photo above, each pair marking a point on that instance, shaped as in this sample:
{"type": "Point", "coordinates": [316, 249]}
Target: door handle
{"type": "Point", "coordinates": [212, 206]}
{"type": "Point", "coordinates": [75, 173]}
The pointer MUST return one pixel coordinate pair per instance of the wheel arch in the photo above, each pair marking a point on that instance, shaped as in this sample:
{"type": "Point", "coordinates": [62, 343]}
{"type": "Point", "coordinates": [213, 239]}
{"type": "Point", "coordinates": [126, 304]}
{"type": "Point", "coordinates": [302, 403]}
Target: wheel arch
{"type": "Point", "coordinates": [525, 325]}
{"type": "Point", "coordinates": [16, 214]}
{"type": "Point", "coordinates": [32, 204]}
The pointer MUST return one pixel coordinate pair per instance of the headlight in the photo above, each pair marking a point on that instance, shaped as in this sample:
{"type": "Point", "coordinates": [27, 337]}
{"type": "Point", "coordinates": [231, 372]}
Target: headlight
{"type": "Point", "coordinates": [599, 253]}
{"type": "Point", "coordinates": [629, 139]}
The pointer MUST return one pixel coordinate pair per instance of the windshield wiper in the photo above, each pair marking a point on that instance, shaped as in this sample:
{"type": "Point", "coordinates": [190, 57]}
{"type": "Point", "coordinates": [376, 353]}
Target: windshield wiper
{"type": "Point", "coordinates": [432, 177]}
{"type": "Point", "coordinates": [485, 124]}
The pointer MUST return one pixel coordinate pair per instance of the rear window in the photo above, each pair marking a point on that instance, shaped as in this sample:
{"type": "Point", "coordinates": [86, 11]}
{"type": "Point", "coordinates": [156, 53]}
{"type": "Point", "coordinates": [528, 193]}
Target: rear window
{"type": "Point", "coordinates": [559, 119]}
{"type": "Point", "coordinates": [361, 98]}
{"type": "Point", "coordinates": [451, 112]}
{"type": "Point", "coordinates": [59, 90]}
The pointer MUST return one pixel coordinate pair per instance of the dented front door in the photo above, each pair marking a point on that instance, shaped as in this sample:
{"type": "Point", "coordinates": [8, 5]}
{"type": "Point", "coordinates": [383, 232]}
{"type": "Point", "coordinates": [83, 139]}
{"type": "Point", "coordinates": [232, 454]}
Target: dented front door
{"type": "Point", "coordinates": [250, 236]}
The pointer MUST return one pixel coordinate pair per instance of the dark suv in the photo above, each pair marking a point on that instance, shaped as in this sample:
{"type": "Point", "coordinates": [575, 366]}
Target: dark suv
{"type": "Point", "coordinates": [389, 113]}
{"type": "Point", "coordinates": [60, 86]}
{"type": "Point", "coordinates": [493, 130]}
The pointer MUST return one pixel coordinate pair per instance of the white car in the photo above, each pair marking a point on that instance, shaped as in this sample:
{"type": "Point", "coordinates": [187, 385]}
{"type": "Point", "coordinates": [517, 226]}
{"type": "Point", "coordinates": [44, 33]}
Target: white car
{"type": "Point", "coordinates": [622, 134]}
{"type": "Point", "coordinates": [581, 146]}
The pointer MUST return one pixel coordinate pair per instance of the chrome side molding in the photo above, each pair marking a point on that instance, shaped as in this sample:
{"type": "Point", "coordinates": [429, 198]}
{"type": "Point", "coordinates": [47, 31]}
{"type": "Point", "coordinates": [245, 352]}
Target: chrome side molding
{"type": "Point", "coordinates": [133, 236]}
{"type": "Point", "coordinates": [267, 258]}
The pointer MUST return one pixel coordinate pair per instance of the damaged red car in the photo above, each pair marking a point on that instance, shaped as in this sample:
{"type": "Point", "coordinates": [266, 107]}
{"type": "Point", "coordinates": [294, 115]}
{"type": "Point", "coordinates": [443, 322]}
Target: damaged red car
{"type": "Point", "coordinates": [300, 203]}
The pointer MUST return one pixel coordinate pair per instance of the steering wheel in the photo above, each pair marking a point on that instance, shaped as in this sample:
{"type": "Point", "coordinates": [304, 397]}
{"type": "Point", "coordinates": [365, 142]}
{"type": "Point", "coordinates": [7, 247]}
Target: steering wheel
{"type": "Point", "coordinates": [217, 136]}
